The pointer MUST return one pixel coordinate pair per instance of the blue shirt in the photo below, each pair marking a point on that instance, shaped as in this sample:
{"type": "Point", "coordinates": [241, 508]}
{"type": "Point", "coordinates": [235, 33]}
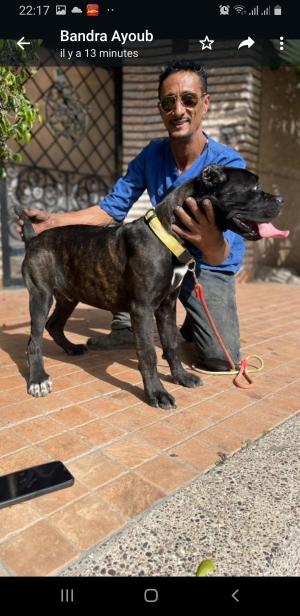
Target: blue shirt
{"type": "Point", "coordinates": [154, 170]}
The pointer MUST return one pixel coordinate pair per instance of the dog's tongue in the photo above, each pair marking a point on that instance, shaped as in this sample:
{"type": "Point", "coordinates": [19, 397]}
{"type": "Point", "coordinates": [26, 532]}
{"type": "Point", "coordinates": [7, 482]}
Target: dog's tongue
{"type": "Point", "coordinates": [266, 229]}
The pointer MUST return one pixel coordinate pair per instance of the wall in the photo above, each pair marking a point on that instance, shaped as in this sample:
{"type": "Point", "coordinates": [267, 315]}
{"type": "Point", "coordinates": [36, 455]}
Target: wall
{"type": "Point", "coordinates": [279, 162]}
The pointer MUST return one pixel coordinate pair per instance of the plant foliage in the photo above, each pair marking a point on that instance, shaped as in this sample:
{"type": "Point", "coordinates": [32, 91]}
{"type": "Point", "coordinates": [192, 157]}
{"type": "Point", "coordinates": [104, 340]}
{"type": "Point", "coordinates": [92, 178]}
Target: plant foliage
{"type": "Point", "coordinates": [17, 113]}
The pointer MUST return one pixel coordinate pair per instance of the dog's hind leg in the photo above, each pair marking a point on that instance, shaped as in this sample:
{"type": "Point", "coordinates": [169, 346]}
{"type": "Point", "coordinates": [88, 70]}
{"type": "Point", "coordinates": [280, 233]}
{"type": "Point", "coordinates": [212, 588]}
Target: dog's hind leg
{"type": "Point", "coordinates": [166, 325]}
{"type": "Point", "coordinates": [40, 383]}
{"type": "Point", "coordinates": [142, 327]}
{"type": "Point", "coordinates": [56, 322]}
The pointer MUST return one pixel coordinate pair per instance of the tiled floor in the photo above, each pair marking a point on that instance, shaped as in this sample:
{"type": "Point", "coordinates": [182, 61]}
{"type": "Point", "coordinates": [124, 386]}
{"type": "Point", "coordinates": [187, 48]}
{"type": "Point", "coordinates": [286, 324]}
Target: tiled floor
{"type": "Point", "coordinates": [126, 456]}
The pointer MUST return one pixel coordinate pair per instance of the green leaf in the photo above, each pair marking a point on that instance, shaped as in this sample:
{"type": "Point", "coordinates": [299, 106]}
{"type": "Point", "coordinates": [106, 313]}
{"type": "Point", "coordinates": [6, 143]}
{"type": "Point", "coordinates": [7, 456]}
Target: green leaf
{"type": "Point", "coordinates": [207, 566]}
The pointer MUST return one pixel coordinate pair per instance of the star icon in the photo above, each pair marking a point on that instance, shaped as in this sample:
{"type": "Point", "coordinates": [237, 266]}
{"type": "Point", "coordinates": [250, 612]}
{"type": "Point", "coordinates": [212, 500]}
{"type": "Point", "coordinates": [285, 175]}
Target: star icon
{"type": "Point", "coordinates": [206, 43]}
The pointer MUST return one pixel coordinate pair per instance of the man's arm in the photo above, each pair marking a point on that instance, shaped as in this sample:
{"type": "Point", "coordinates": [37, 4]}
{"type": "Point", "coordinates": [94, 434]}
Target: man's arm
{"type": "Point", "coordinates": [114, 206]}
{"type": "Point", "coordinates": [203, 232]}
{"type": "Point", "coordinates": [43, 220]}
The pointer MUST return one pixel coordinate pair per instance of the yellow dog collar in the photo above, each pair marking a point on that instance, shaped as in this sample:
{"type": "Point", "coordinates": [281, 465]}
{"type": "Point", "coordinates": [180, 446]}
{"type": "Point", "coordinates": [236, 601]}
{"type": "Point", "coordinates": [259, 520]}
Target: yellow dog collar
{"type": "Point", "coordinates": [183, 255]}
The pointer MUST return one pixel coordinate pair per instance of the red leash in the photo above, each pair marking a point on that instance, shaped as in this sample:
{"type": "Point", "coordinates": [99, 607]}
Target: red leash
{"type": "Point", "coordinates": [243, 364]}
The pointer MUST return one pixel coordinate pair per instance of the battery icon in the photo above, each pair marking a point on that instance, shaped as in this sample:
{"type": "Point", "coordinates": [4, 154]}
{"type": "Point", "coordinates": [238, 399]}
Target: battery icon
{"type": "Point", "coordinates": [277, 10]}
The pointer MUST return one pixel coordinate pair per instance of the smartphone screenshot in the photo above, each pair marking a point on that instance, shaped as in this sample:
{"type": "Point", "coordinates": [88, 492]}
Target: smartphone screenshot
{"type": "Point", "coordinates": [85, 101]}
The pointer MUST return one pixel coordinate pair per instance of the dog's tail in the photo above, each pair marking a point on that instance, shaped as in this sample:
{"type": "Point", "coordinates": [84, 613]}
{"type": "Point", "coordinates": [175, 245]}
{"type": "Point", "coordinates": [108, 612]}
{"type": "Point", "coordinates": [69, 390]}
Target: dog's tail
{"type": "Point", "coordinates": [28, 230]}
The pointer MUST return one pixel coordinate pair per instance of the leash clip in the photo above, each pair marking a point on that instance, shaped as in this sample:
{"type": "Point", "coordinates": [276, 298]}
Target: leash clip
{"type": "Point", "coordinates": [192, 268]}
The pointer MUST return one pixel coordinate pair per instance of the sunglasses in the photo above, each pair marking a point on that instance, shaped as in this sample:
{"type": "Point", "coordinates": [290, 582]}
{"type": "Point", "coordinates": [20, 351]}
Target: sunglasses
{"type": "Point", "coordinates": [187, 99]}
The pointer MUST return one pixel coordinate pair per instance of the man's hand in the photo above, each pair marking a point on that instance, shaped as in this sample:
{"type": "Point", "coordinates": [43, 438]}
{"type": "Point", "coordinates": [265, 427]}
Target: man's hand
{"type": "Point", "coordinates": [202, 231]}
{"type": "Point", "coordinates": [42, 220]}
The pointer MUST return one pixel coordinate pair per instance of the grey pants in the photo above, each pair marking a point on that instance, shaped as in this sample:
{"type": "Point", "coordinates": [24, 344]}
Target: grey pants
{"type": "Point", "coordinates": [219, 293]}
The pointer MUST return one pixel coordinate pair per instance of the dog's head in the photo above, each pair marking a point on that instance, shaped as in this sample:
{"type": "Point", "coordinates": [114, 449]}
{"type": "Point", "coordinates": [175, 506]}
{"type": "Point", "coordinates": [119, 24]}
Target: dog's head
{"type": "Point", "coordinates": [239, 202]}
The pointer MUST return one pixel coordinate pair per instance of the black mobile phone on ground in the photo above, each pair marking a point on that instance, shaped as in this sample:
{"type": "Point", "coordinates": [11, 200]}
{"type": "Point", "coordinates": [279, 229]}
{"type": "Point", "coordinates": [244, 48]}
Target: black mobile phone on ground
{"type": "Point", "coordinates": [32, 482]}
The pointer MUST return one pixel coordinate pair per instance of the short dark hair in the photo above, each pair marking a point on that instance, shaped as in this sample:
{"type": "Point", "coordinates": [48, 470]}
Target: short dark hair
{"type": "Point", "coordinates": [183, 64]}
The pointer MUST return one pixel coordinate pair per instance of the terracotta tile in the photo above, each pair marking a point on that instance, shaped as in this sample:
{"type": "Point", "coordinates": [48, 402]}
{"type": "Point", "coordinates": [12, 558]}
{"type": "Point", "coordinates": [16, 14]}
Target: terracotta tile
{"type": "Point", "coordinates": [95, 469]}
{"type": "Point", "coordinates": [11, 371]}
{"type": "Point", "coordinates": [82, 378]}
{"type": "Point", "coordinates": [20, 460]}
{"type": "Point", "coordinates": [267, 414]}
{"type": "Point", "coordinates": [59, 499]}
{"type": "Point", "coordinates": [197, 454]}
{"type": "Point", "coordinates": [130, 419]}
{"type": "Point", "coordinates": [117, 368]}
{"type": "Point", "coordinates": [185, 398]}
{"type": "Point", "coordinates": [8, 383]}
{"type": "Point", "coordinates": [36, 430]}
{"type": "Point", "coordinates": [222, 437]}
{"type": "Point", "coordinates": [130, 377]}
{"type": "Point", "coordinates": [16, 518]}
{"type": "Point", "coordinates": [167, 473]}
{"type": "Point", "coordinates": [87, 521]}
{"type": "Point", "coordinates": [73, 416]}
{"type": "Point", "coordinates": [281, 402]}
{"type": "Point", "coordinates": [247, 425]}
{"type": "Point", "coordinates": [52, 402]}
{"type": "Point", "coordinates": [104, 406]}
{"type": "Point", "coordinates": [6, 398]}
{"type": "Point", "coordinates": [5, 360]}
{"type": "Point", "coordinates": [98, 432]}
{"type": "Point", "coordinates": [37, 551]}
{"type": "Point", "coordinates": [265, 385]}
{"type": "Point", "coordinates": [130, 397]}
{"type": "Point", "coordinates": [63, 447]}
{"type": "Point", "coordinates": [18, 412]}
{"type": "Point", "coordinates": [18, 394]}
{"type": "Point", "coordinates": [169, 385]}
{"type": "Point", "coordinates": [161, 435]}
{"type": "Point", "coordinates": [130, 494]}
{"type": "Point", "coordinates": [10, 442]}
{"type": "Point", "coordinates": [188, 421]}
{"type": "Point", "coordinates": [64, 370]}
{"type": "Point", "coordinates": [212, 411]}
{"type": "Point", "coordinates": [232, 400]}
{"type": "Point", "coordinates": [79, 394]}
{"type": "Point", "coordinates": [153, 412]}
{"type": "Point", "coordinates": [60, 383]}
{"type": "Point", "coordinates": [130, 451]}
{"type": "Point", "coordinates": [107, 385]}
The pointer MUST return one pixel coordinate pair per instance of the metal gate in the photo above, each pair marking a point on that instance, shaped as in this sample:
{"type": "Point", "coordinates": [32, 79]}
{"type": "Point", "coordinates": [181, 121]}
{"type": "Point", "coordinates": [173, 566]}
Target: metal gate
{"type": "Point", "coordinates": [72, 161]}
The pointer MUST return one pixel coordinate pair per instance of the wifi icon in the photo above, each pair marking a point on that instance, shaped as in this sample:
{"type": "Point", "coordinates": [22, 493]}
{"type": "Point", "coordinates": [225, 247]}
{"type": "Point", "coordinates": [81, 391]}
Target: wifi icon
{"type": "Point", "coordinates": [239, 8]}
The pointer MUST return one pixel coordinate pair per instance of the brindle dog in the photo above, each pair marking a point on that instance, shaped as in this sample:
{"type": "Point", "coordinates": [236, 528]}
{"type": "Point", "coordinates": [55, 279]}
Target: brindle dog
{"type": "Point", "coordinates": [127, 268]}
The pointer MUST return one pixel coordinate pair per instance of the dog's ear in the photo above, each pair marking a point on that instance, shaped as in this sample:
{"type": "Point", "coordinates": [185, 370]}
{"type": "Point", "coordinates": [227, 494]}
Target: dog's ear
{"type": "Point", "coordinates": [213, 174]}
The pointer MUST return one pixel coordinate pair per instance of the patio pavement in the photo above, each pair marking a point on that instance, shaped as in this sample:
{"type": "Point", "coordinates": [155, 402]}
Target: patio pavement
{"type": "Point", "coordinates": [127, 457]}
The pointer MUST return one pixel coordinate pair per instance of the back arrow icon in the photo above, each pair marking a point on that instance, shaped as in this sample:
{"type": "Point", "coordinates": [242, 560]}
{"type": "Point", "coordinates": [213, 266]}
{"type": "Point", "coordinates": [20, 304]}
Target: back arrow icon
{"type": "Point", "coordinates": [233, 595]}
{"type": "Point", "coordinates": [21, 42]}
{"type": "Point", "coordinates": [249, 42]}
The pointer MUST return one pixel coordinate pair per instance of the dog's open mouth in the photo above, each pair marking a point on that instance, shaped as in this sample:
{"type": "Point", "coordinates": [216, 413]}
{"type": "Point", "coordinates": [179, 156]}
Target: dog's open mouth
{"type": "Point", "coordinates": [257, 230]}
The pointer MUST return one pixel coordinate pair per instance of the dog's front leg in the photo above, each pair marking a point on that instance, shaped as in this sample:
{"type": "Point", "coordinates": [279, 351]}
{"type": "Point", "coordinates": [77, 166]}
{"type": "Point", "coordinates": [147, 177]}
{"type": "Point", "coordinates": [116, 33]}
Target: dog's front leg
{"type": "Point", "coordinates": [142, 327]}
{"type": "Point", "coordinates": [166, 325]}
{"type": "Point", "coordinates": [40, 383]}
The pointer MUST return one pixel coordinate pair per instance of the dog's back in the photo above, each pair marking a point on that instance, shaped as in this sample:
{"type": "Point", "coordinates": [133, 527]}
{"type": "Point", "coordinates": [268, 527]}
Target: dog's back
{"type": "Point", "coordinates": [104, 267]}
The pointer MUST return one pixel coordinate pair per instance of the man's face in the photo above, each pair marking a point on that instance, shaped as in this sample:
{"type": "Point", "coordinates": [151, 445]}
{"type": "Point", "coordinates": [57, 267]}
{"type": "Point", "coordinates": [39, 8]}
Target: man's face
{"type": "Point", "coordinates": [182, 122]}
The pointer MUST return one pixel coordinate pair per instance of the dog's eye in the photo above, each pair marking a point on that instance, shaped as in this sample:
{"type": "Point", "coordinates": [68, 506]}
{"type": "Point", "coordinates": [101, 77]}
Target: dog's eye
{"type": "Point", "coordinates": [257, 187]}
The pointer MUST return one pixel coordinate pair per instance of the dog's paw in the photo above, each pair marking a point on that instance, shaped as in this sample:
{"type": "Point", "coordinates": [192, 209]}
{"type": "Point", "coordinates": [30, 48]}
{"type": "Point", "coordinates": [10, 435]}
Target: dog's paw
{"type": "Point", "coordinates": [37, 390]}
{"type": "Point", "coordinates": [77, 349]}
{"type": "Point", "coordinates": [163, 400]}
{"type": "Point", "coordinates": [187, 380]}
